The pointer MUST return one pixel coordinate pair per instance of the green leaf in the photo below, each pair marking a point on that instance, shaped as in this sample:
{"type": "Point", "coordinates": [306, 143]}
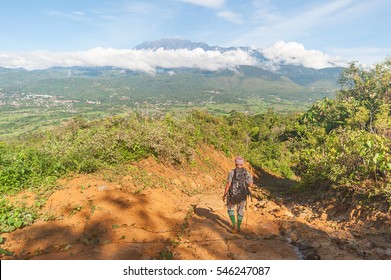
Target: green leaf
{"type": "Point", "coordinates": [18, 224]}
{"type": "Point", "coordinates": [377, 157]}
{"type": "Point", "coordinates": [11, 229]}
{"type": "Point", "coordinates": [5, 252]}
{"type": "Point", "coordinates": [369, 144]}
{"type": "Point", "coordinates": [10, 221]}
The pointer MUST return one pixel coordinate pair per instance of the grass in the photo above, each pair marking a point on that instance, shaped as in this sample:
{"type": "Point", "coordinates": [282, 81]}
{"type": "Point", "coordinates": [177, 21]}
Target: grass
{"type": "Point", "coordinates": [75, 210]}
{"type": "Point", "coordinates": [18, 121]}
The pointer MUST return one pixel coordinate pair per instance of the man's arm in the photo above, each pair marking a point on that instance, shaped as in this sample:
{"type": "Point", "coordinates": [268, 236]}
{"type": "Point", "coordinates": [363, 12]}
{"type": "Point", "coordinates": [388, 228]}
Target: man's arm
{"type": "Point", "coordinates": [226, 190]}
{"type": "Point", "coordinates": [250, 179]}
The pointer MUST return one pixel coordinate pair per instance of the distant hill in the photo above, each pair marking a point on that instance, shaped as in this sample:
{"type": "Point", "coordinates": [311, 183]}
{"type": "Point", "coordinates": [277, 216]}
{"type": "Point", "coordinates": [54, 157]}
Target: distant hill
{"type": "Point", "coordinates": [290, 83]}
{"type": "Point", "coordinates": [306, 76]}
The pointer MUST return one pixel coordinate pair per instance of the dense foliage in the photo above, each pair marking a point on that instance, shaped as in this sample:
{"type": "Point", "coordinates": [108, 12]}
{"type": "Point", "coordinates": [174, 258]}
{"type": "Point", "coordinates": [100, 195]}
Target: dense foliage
{"type": "Point", "coordinates": [346, 142]}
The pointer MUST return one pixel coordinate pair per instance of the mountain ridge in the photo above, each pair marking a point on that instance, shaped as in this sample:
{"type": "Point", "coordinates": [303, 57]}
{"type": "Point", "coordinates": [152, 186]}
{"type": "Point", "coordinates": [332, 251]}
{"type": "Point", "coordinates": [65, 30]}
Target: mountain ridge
{"type": "Point", "coordinates": [220, 57]}
{"type": "Point", "coordinates": [176, 44]}
{"type": "Point", "coordinates": [297, 73]}
{"type": "Point", "coordinates": [251, 88]}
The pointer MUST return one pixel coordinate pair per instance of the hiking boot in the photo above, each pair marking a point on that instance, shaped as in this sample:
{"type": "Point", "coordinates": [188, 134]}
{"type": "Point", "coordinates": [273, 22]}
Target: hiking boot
{"type": "Point", "coordinates": [234, 230]}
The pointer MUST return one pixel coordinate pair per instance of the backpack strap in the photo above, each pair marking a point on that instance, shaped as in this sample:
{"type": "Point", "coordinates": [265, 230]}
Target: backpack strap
{"type": "Point", "coordinates": [232, 180]}
{"type": "Point", "coordinates": [247, 188]}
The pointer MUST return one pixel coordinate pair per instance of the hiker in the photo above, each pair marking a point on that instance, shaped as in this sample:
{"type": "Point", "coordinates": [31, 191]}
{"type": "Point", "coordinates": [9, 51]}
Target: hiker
{"type": "Point", "coordinates": [236, 191]}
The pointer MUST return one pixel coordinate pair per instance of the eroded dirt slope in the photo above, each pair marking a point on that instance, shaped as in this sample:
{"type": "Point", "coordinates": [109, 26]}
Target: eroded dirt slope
{"type": "Point", "coordinates": [152, 211]}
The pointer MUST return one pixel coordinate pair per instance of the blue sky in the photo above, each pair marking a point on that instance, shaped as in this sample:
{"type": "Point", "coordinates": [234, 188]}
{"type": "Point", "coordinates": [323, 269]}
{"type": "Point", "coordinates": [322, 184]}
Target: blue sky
{"type": "Point", "coordinates": [350, 29]}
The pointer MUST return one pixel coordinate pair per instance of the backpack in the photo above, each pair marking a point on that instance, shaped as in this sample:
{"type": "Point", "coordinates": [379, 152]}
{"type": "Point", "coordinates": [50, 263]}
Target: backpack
{"type": "Point", "coordinates": [238, 191]}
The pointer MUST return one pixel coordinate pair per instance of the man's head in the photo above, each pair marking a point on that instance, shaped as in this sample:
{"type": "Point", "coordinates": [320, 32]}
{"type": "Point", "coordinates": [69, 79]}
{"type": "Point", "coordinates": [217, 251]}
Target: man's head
{"type": "Point", "coordinates": [239, 161]}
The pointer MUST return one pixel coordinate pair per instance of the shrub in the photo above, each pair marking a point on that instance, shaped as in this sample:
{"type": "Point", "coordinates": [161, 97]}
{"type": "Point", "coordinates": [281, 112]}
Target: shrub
{"type": "Point", "coordinates": [13, 217]}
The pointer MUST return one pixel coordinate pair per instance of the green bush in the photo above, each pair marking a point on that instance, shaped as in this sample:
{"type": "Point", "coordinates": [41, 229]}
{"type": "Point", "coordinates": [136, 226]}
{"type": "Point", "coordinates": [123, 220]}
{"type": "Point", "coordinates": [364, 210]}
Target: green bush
{"type": "Point", "coordinates": [344, 142]}
{"type": "Point", "coordinates": [23, 167]}
{"type": "Point", "coordinates": [13, 217]}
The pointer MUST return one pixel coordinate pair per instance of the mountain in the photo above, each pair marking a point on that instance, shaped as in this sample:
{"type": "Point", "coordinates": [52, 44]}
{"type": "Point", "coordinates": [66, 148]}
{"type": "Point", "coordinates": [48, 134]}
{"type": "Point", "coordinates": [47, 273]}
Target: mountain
{"type": "Point", "coordinates": [298, 73]}
{"type": "Point", "coordinates": [176, 44]}
{"type": "Point", "coordinates": [325, 78]}
{"type": "Point", "coordinates": [307, 76]}
{"type": "Point", "coordinates": [167, 86]}
{"type": "Point", "coordinates": [172, 44]}
{"type": "Point", "coordinates": [32, 99]}
{"type": "Point", "coordinates": [264, 80]}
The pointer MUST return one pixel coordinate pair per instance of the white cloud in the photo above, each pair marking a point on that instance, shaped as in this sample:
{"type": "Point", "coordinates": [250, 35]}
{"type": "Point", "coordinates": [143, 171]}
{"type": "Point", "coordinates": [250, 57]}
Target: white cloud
{"type": "Point", "coordinates": [295, 53]}
{"type": "Point", "coordinates": [230, 16]}
{"type": "Point", "coordinates": [149, 60]}
{"type": "Point", "coordinates": [141, 8]}
{"type": "Point", "coordinates": [367, 55]}
{"type": "Point", "coordinates": [206, 3]}
{"type": "Point", "coordinates": [75, 15]}
{"type": "Point", "coordinates": [275, 25]}
{"type": "Point", "coordinates": [138, 60]}
{"type": "Point", "coordinates": [264, 11]}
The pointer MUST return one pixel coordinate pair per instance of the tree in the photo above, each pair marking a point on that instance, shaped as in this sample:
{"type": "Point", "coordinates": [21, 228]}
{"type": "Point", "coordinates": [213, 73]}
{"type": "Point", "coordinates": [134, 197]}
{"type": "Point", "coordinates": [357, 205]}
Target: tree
{"type": "Point", "coordinates": [370, 88]}
{"type": "Point", "coordinates": [345, 141]}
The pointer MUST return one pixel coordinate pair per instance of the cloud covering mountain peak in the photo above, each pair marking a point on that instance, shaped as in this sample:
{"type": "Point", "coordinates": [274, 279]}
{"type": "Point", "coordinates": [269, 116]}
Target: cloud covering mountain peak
{"type": "Point", "coordinates": [295, 53]}
{"type": "Point", "coordinates": [179, 54]}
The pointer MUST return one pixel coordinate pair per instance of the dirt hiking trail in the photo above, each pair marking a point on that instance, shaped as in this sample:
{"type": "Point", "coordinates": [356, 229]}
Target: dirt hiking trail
{"type": "Point", "coordinates": [149, 210]}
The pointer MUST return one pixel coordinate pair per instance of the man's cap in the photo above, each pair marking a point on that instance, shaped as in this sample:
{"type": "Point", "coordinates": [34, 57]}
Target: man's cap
{"type": "Point", "coordinates": [239, 160]}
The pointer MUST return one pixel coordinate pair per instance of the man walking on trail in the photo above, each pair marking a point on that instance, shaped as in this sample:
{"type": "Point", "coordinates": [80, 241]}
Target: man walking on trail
{"type": "Point", "coordinates": [236, 191]}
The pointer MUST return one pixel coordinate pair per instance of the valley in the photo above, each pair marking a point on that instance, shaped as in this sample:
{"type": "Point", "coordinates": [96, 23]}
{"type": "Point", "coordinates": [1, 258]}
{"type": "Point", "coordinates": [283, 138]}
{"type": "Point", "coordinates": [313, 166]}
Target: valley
{"type": "Point", "coordinates": [43, 98]}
